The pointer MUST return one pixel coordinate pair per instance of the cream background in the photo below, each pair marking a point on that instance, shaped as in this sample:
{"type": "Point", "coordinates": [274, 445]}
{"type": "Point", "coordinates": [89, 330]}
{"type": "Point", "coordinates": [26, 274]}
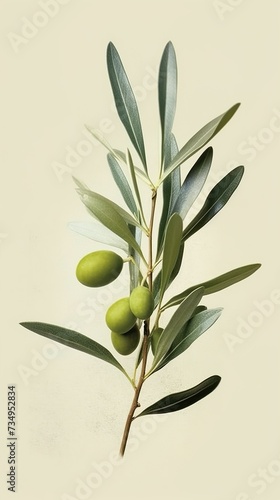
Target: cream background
{"type": "Point", "coordinates": [71, 412]}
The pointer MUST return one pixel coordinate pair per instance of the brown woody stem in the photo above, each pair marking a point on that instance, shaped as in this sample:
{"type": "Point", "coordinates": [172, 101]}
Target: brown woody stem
{"type": "Point", "coordinates": [135, 403]}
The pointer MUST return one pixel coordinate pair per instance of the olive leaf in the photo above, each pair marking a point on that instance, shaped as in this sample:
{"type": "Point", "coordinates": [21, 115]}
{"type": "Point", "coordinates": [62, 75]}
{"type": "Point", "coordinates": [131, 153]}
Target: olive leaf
{"type": "Point", "coordinates": [98, 232]}
{"type": "Point", "coordinates": [183, 399]}
{"type": "Point", "coordinates": [167, 95]}
{"type": "Point", "coordinates": [116, 153]}
{"type": "Point", "coordinates": [177, 321]}
{"type": "Point", "coordinates": [200, 139]}
{"type": "Point", "coordinates": [101, 139]}
{"type": "Point", "coordinates": [87, 194]}
{"type": "Point", "coordinates": [171, 248]}
{"type": "Point", "coordinates": [193, 184]}
{"type": "Point", "coordinates": [176, 269]}
{"type": "Point", "coordinates": [180, 200]}
{"type": "Point", "coordinates": [125, 101]}
{"type": "Point", "coordinates": [73, 339]}
{"type": "Point", "coordinates": [216, 284]}
{"type": "Point", "coordinates": [215, 201]}
{"type": "Point", "coordinates": [107, 213]}
{"type": "Point", "coordinates": [134, 263]}
{"type": "Point", "coordinates": [170, 191]}
{"type": "Point", "coordinates": [135, 186]}
{"type": "Point", "coordinates": [122, 183]}
{"type": "Point", "coordinates": [194, 328]}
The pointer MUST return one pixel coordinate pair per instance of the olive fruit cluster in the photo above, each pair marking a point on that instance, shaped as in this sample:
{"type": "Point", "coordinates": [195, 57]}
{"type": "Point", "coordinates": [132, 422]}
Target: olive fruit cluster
{"type": "Point", "coordinates": [122, 316]}
{"type": "Point", "coordinates": [101, 268]}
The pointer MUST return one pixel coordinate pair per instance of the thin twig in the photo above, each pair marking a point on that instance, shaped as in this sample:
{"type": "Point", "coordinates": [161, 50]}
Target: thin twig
{"type": "Point", "coordinates": [135, 403]}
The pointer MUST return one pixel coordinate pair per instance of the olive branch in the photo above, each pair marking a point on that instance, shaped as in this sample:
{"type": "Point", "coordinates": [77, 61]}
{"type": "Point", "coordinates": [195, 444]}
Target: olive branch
{"type": "Point", "coordinates": [160, 341]}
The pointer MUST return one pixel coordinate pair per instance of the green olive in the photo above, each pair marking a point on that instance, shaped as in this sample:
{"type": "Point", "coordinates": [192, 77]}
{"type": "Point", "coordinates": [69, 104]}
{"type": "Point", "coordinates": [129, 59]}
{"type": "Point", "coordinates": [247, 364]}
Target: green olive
{"type": "Point", "coordinates": [119, 317]}
{"type": "Point", "coordinates": [126, 343]}
{"type": "Point", "coordinates": [99, 268]}
{"type": "Point", "coordinates": [141, 302]}
{"type": "Point", "coordinates": [155, 338]}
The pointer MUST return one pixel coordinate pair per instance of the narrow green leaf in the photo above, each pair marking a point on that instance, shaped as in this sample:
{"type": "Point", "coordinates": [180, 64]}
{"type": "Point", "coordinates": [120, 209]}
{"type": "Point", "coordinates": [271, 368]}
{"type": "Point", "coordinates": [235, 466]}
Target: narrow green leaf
{"type": "Point", "coordinates": [105, 211]}
{"type": "Point", "coordinates": [122, 183]}
{"type": "Point", "coordinates": [175, 177]}
{"type": "Point", "coordinates": [122, 156]}
{"type": "Point", "coordinates": [200, 139]}
{"type": "Point", "coordinates": [176, 269]}
{"type": "Point", "coordinates": [195, 327]}
{"type": "Point", "coordinates": [216, 284]}
{"type": "Point", "coordinates": [88, 194]}
{"type": "Point", "coordinates": [125, 101]}
{"type": "Point", "coordinates": [215, 201]}
{"type": "Point", "coordinates": [81, 185]}
{"type": "Point", "coordinates": [140, 173]}
{"type": "Point", "coordinates": [178, 264]}
{"type": "Point", "coordinates": [193, 183]}
{"type": "Point", "coordinates": [116, 153]}
{"type": "Point", "coordinates": [170, 191]}
{"type": "Point", "coordinates": [134, 265]}
{"type": "Point", "coordinates": [75, 340]}
{"type": "Point", "coordinates": [167, 93]}
{"type": "Point", "coordinates": [198, 310]}
{"type": "Point", "coordinates": [100, 138]}
{"type": "Point", "coordinates": [171, 247]}
{"type": "Point", "coordinates": [156, 288]}
{"type": "Point", "coordinates": [97, 232]}
{"type": "Point", "coordinates": [177, 321]}
{"type": "Point", "coordinates": [183, 399]}
{"type": "Point", "coordinates": [135, 186]}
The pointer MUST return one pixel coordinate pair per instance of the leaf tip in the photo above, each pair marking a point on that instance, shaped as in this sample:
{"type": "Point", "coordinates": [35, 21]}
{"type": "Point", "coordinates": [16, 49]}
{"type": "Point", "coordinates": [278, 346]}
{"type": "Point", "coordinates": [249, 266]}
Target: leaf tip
{"type": "Point", "coordinates": [88, 127]}
{"type": "Point", "coordinates": [236, 106]}
{"type": "Point", "coordinates": [241, 168]}
{"type": "Point", "coordinates": [215, 379]}
{"type": "Point", "coordinates": [25, 324]}
{"type": "Point", "coordinates": [110, 46]}
{"type": "Point", "coordinates": [170, 46]}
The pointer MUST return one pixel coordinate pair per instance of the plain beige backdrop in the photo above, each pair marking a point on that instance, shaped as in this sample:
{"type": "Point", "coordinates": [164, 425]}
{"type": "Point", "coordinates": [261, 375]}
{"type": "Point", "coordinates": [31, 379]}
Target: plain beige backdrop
{"type": "Point", "coordinates": [71, 407]}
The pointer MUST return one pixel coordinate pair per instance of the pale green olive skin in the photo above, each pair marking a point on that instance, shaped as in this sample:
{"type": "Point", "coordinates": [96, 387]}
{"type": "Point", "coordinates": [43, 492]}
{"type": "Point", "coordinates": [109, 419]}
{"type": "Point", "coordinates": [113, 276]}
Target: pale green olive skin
{"type": "Point", "coordinates": [155, 338]}
{"type": "Point", "coordinates": [141, 302]}
{"type": "Point", "coordinates": [119, 317]}
{"type": "Point", "coordinates": [126, 343]}
{"type": "Point", "coordinates": [99, 268]}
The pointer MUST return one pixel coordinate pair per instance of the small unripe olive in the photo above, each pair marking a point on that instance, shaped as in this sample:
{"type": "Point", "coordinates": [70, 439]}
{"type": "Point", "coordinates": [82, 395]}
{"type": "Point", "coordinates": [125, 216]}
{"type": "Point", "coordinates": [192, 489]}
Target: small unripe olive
{"type": "Point", "coordinates": [126, 343]}
{"type": "Point", "coordinates": [99, 268]}
{"type": "Point", "coordinates": [155, 338]}
{"type": "Point", "coordinates": [141, 302]}
{"type": "Point", "coordinates": [119, 317]}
